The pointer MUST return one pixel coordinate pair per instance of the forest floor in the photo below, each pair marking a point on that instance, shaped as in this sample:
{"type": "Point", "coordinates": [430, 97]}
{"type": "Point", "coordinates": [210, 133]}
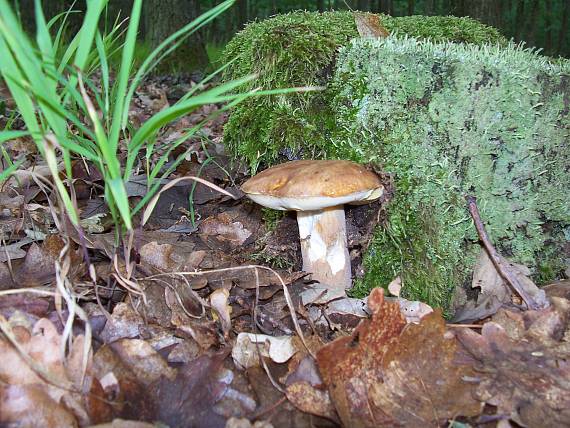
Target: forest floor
{"type": "Point", "coordinates": [206, 319]}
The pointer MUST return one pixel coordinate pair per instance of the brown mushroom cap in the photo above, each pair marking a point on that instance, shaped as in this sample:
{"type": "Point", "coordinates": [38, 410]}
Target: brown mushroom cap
{"type": "Point", "coordinates": [313, 185]}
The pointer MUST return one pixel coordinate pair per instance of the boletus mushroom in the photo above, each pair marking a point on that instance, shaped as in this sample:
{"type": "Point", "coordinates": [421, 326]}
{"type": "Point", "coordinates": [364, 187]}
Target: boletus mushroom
{"type": "Point", "coordinates": [317, 190]}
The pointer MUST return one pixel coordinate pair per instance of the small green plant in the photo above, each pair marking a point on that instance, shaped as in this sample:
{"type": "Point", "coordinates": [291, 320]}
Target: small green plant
{"type": "Point", "coordinates": [271, 218]}
{"type": "Point", "coordinates": [52, 87]}
{"type": "Point", "coordinates": [274, 261]}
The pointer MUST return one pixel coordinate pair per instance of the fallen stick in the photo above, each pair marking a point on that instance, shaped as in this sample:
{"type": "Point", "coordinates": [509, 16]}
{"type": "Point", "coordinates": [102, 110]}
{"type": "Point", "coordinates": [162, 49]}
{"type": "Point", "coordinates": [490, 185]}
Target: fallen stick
{"type": "Point", "coordinates": [504, 270]}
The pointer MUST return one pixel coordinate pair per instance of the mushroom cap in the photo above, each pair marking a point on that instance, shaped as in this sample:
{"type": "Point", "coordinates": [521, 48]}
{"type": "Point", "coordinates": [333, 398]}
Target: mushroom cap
{"type": "Point", "coordinates": [309, 185]}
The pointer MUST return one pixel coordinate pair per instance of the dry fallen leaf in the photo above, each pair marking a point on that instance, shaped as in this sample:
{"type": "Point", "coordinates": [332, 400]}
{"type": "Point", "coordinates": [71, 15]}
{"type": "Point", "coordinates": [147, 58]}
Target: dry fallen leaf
{"type": "Point", "coordinates": [41, 386]}
{"type": "Point", "coordinates": [311, 400]}
{"type": "Point", "coordinates": [494, 291]}
{"type": "Point", "coordinates": [249, 347]}
{"type": "Point", "coordinates": [124, 322]}
{"type": "Point", "coordinates": [524, 359]}
{"type": "Point", "coordinates": [225, 229]}
{"type": "Point", "coordinates": [370, 25]}
{"type": "Point", "coordinates": [351, 365]}
{"type": "Point", "coordinates": [422, 383]}
{"type": "Point", "coordinates": [390, 373]}
{"type": "Point", "coordinates": [219, 300]}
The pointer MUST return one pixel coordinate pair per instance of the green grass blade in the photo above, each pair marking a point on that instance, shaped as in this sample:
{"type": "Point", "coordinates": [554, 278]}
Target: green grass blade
{"type": "Point", "coordinates": [101, 51]}
{"type": "Point", "coordinates": [8, 171]}
{"type": "Point", "coordinates": [121, 200]}
{"type": "Point", "coordinates": [146, 65]}
{"type": "Point", "coordinates": [122, 105]}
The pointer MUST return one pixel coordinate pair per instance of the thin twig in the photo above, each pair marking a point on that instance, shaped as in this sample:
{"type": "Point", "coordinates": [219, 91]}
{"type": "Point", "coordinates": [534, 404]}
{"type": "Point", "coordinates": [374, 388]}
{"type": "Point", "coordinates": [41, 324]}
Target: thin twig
{"type": "Point", "coordinates": [270, 408]}
{"type": "Point", "coordinates": [464, 325]}
{"type": "Point", "coordinates": [503, 270]}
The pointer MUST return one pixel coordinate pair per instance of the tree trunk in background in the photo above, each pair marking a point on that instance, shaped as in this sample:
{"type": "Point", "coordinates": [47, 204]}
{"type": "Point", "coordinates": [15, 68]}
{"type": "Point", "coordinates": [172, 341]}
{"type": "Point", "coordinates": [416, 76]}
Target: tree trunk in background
{"type": "Point", "coordinates": [241, 6]}
{"type": "Point", "coordinates": [25, 9]}
{"type": "Point", "coordinates": [530, 33]}
{"type": "Point", "coordinates": [411, 7]}
{"type": "Point", "coordinates": [519, 19]}
{"type": "Point", "coordinates": [161, 19]}
{"type": "Point", "coordinates": [563, 31]}
{"type": "Point", "coordinates": [430, 7]}
{"type": "Point", "coordinates": [486, 11]}
{"type": "Point", "coordinates": [321, 5]}
{"type": "Point", "coordinates": [548, 25]}
{"type": "Point", "coordinates": [386, 6]}
{"type": "Point", "coordinates": [364, 5]}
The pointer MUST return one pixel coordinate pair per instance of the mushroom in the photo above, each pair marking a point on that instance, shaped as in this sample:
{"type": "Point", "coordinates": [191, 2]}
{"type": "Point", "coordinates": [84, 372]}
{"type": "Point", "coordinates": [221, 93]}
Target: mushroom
{"type": "Point", "coordinates": [317, 190]}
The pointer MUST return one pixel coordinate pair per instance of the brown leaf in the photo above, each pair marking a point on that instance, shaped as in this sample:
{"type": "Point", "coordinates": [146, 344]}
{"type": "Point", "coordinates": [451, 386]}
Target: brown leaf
{"type": "Point", "coordinates": [38, 382]}
{"type": "Point", "coordinates": [39, 265]}
{"type": "Point", "coordinates": [188, 400]}
{"type": "Point", "coordinates": [30, 405]}
{"type": "Point", "coordinates": [311, 400]}
{"type": "Point", "coordinates": [225, 229]}
{"type": "Point", "coordinates": [124, 322]}
{"type": "Point", "coordinates": [494, 291]}
{"type": "Point", "coordinates": [422, 384]}
{"type": "Point", "coordinates": [388, 374]}
{"type": "Point", "coordinates": [142, 360]}
{"type": "Point", "coordinates": [524, 356]}
{"type": "Point", "coordinates": [370, 25]}
{"type": "Point", "coordinates": [351, 365]}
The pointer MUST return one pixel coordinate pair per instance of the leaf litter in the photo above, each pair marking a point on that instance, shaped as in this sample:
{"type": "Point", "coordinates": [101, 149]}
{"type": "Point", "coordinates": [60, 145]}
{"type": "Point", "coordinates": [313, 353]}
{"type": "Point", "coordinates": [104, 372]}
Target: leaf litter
{"type": "Point", "coordinates": [205, 338]}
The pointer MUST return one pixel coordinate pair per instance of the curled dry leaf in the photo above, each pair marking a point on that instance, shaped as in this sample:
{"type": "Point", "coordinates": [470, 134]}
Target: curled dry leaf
{"type": "Point", "coordinates": [249, 347]}
{"type": "Point", "coordinates": [494, 291]}
{"type": "Point", "coordinates": [124, 322]}
{"type": "Point", "coordinates": [39, 386]}
{"type": "Point", "coordinates": [224, 229]}
{"type": "Point", "coordinates": [220, 305]}
{"type": "Point", "coordinates": [388, 373]}
{"type": "Point", "coordinates": [370, 26]}
{"type": "Point", "coordinates": [311, 400]}
{"type": "Point", "coordinates": [526, 373]}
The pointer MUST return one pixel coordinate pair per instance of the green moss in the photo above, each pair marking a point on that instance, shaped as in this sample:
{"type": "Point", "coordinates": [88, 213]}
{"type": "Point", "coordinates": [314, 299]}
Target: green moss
{"type": "Point", "coordinates": [449, 120]}
{"type": "Point", "coordinates": [298, 49]}
{"type": "Point", "coordinates": [446, 119]}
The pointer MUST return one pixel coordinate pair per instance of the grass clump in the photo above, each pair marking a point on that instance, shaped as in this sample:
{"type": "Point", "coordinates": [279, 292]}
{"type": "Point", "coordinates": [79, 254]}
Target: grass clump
{"type": "Point", "coordinates": [70, 114]}
{"type": "Point", "coordinates": [448, 120]}
{"type": "Point", "coordinates": [299, 49]}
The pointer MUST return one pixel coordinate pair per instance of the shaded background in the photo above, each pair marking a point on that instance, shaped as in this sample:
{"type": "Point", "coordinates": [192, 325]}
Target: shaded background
{"type": "Point", "coordinates": [539, 23]}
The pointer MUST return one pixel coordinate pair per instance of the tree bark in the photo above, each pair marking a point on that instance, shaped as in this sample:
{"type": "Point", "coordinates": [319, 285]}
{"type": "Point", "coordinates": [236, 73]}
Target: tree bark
{"type": "Point", "coordinates": [519, 19]}
{"type": "Point", "coordinates": [531, 24]}
{"type": "Point", "coordinates": [411, 7]}
{"type": "Point", "coordinates": [161, 19]}
{"type": "Point", "coordinates": [321, 5]}
{"type": "Point", "coordinates": [430, 7]}
{"type": "Point", "coordinates": [548, 25]}
{"type": "Point", "coordinates": [563, 29]}
{"type": "Point", "coordinates": [242, 15]}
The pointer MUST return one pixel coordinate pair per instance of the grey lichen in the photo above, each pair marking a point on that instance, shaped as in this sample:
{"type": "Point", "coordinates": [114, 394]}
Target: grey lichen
{"type": "Point", "coordinates": [449, 120]}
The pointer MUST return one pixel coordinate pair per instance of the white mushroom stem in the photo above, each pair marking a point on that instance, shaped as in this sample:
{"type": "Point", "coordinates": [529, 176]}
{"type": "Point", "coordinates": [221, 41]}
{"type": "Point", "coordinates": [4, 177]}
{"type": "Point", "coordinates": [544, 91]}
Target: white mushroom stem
{"type": "Point", "coordinates": [324, 246]}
